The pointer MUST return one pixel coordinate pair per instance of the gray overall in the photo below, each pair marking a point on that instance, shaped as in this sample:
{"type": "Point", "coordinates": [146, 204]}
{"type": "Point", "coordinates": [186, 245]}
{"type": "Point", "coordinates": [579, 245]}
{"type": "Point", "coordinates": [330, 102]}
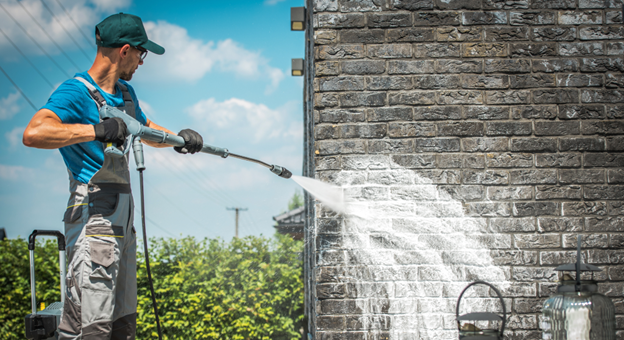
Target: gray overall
{"type": "Point", "coordinates": [101, 295]}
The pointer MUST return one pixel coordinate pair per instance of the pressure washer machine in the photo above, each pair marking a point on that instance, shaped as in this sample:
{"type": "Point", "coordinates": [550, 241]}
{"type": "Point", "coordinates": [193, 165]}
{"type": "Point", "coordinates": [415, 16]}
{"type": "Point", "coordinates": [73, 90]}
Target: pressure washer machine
{"type": "Point", "coordinates": [43, 325]}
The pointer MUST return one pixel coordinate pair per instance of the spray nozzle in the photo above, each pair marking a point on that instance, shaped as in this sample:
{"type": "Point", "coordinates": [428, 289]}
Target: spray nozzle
{"type": "Point", "coordinates": [282, 172]}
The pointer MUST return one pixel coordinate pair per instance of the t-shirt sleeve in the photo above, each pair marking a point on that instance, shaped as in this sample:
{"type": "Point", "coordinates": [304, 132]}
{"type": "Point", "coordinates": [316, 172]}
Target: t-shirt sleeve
{"type": "Point", "coordinates": [69, 102]}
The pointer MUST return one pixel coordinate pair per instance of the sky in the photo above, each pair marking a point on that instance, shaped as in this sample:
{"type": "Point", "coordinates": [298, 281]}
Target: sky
{"type": "Point", "coordinates": [225, 74]}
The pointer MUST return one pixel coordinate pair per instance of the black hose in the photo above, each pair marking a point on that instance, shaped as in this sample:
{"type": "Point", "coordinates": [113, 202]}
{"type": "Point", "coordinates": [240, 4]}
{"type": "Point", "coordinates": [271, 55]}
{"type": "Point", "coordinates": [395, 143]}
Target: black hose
{"type": "Point", "coordinates": [147, 264]}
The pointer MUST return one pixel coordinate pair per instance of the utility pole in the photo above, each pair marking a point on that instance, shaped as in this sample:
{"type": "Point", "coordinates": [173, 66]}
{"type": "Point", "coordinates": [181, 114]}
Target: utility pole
{"type": "Point", "coordinates": [237, 210]}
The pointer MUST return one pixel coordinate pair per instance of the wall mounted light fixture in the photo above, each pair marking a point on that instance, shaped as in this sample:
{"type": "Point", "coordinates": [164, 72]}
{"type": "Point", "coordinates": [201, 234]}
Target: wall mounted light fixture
{"type": "Point", "coordinates": [297, 19]}
{"type": "Point", "coordinates": [297, 67]}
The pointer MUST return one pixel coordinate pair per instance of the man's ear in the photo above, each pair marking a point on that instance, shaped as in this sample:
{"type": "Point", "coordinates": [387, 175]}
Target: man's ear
{"type": "Point", "coordinates": [123, 51]}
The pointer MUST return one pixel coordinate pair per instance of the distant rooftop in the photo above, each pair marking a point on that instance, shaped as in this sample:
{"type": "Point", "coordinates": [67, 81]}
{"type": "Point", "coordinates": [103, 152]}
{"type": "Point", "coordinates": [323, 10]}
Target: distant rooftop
{"type": "Point", "coordinates": [291, 223]}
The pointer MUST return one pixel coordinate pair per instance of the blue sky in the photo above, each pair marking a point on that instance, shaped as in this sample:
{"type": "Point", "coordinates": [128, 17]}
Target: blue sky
{"type": "Point", "coordinates": [225, 74]}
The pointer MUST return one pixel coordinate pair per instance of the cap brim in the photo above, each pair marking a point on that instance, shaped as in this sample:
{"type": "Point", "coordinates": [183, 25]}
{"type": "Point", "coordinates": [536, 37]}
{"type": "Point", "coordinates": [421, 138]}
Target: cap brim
{"type": "Point", "coordinates": [153, 47]}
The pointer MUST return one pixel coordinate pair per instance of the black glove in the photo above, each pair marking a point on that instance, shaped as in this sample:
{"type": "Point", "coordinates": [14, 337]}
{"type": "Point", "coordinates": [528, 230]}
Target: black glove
{"type": "Point", "coordinates": [111, 131]}
{"type": "Point", "coordinates": [193, 142]}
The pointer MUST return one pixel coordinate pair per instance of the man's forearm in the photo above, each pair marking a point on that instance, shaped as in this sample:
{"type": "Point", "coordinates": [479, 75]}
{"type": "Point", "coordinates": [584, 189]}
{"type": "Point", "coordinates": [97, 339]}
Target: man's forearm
{"type": "Point", "coordinates": [155, 126]}
{"type": "Point", "coordinates": [46, 131]}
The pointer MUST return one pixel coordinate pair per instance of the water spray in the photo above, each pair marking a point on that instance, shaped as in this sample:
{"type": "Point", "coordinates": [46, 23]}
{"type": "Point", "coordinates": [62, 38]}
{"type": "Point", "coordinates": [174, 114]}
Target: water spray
{"type": "Point", "coordinates": [138, 130]}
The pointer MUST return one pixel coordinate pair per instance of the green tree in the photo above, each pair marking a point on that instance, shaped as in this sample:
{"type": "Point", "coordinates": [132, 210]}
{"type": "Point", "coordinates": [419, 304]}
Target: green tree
{"type": "Point", "coordinates": [296, 201]}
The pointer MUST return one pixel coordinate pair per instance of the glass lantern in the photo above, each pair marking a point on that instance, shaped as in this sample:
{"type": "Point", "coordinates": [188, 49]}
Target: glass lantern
{"type": "Point", "coordinates": [467, 323]}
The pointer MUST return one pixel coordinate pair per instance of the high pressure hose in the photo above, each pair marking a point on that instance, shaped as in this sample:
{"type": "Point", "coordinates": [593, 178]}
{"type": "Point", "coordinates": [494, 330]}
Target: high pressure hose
{"type": "Point", "coordinates": [137, 146]}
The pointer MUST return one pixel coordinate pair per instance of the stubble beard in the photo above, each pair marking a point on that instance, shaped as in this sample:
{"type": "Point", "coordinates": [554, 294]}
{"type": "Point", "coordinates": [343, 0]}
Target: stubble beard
{"type": "Point", "coordinates": [127, 76]}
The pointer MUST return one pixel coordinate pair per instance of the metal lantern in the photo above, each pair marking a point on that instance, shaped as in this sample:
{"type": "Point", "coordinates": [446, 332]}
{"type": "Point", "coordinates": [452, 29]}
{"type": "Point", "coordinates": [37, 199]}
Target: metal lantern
{"type": "Point", "coordinates": [470, 331]}
{"type": "Point", "coordinates": [577, 311]}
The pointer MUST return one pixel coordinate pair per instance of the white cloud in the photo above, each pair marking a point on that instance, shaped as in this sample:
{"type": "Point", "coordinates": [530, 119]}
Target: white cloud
{"type": "Point", "coordinates": [8, 106]}
{"type": "Point", "coordinates": [247, 118]}
{"type": "Point", "coordinates": [189, 59]}
{"type": "Point", "coordinates": [12, 172]}
{"type": "Point", "coordinates": [15, 136]}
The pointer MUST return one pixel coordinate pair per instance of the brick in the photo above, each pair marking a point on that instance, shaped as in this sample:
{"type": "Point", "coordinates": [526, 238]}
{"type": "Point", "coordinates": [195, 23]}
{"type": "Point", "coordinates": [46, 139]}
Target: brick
{"type": "Point", "coordinates": [580, 18]}
{"type": "Point", "coordinates": [533, 177]}
{"type": "Point", "coordinates": [581, 49]}
{"type": "Point", "coordinates": [329, 147]}
{"type": "Point", "coordinates": [437, 50]}
{"type": "Point", "coordinates": [580, 80]}
{"type": "Point", "coordinates": [544, 192]}
{"type": "Point", "coordinates": [614, 80]}
{"type": "Point", "coordinates": [327, 68]}
{"type": "Point", "coordinates": [582, 144]}
{"type": "Point", "coordinates": [613, 17]}
{"type": "Point", "coordinates": [330, 322]}
{"type": "Point", "coordinates": [534, 145]}
{"type": "Point", "coordinates": [370, 99]}
{"type": "Point", "coordinates": [532, 50]}
{"type": "Point", "coordinates": [615, 176]}
{"type": "Point", "coordinates": [556, 4]}
{"type": "Point", "coordinates": [557, 128]}
{"type": "Point", "coordinates": [412, 98]}
{"type": "Point", "coordinates": [362, 36]}
{"type": "Point", "coordinates": [458, 4]}
{"type": "Point", "coordinates": [473, 50]}
{"type": "Point", "coordinates": [532, 80]}
{"type": "Point", "coordinates": [410, 66]}
{"type": "Point", "coordinates": [555, 65]}
{"type": "Point", "coordinates": [608, 192]}
{"type": "Point", "coordinates": [436, 145]}
{"type": "Point", "coordinates": [507, 66]}
{"type": "Point", "coordinates": [529, 305]}
{"type": "Point", "coordinates": [437, 177]}
{"type": "Point", "coordinates": [602, 127]}
{"type": "Point", "coordinates": [556, 258]}
{"type": "Point", "coordinates": [508, 97]}
{"type": "Point", "coordinates": [507, 129]}
{"type": "Point", "coordinates": [489, 177]}
{"type": "Point", "coordinates": [600, 4]}
{"type": "Point", "coordinates": [513, 257]}
{"type": "Point", "coordinates": [459, 66]}
{"type": "Point", "coordinates": [584, 208]}
{"type": "Point", "coordinates": [388, 83]}
{"type": "Point", "coordinates": [597, 224]}
{"type": "Point", "coordinates": [602, 64]}
{"type": "Point", "coordinates": [363, 131]}
{"type": "Point", "coordinates": [453, 97]}
{"type": "Point", "coordinates": [411, 34]}
{"type": "Point", "coordinates": [437, 82]}
{"type": "Point", "coordinates": [414, 161]}
{"type": "Point", "coordinates": [555, 96]}
{"type": "Point", "coordinates": [326, 6]}
{"type": "Point", "coordinates": [390, 51]}
{"type": "Point", "coordinates": [412, 5]}
{"type": "Point", "coordinates": [554, 34]}
{"type": "Point", "coordinates": [532, 18]}
{"type": "Point", "coordinates": [385, 20]}
{"type": "Point", "coordinates": [364, 67]}
{"type": "Point", "coordinates": [385, 114]}
{"type": "Point", "coordinates": [341, 84]}
{"type": "Point", "coordinates": [604, 160]}
{"type": "Point", "coordinates": [437, 113]}
{"type": "Point", "coordinates": [330, 291]}
{"type": "Point", "coordinates": [534, 209]}
{"type": "Point", "coordinates": [461, 129]}
{"type": "Point", "coordinates": [488, 209]}
{"type": "Point", "coordinates": [486, 112]}
{"type": "Point", "coordinates": [327, 163]}
{"type": "Point", "coordinates": [436, 18]}
{"type": "Point", "coordinates": [325, 132]}
{"type": "Point", "coordinates": [506, 34]}
{"type": "Point", "coordinates": [505, 4]}
{"type": "Point", "coordinates": [485, 144]}
{"type": "Point", "coordinates": [368, 162]}
{"type": "Point", "coordinates": [484, 18]}
{"type": "Point", "coordinates": [616, 207]}
{"type": "Point", "coordinates": [339, 20]}
{"type": "Point", "coordinates": [390, 146]}
{"type": "Point", "coordinates": [359, 5]}
{"type": "Point", "coordinates": [342, 116]}
{"type": "Point", "coordinates": [601, 33]}
{"type": "Point", "coordinates": [463, 192]}
{"type": "Point", "coordinates": [340, 51]}
{"type": "Point", "coordinates": [581, 112]}
{"type": "Point", "coordinates": [534, 112]}
{"type": "Point", "coordinates": [323, 100]}
{"type": "Point", "coordinates": [559, 224]}
{"type": "Point", "coordinates": [512, 193]}
{"type": "Point", "coordinates": [602, 96]}
{"type": "Point", "coordinates": [509, 160]}
{"type": "Point", "coordinates": [459, 34]}
{"type": "Point", "coordinates": [615, 144]}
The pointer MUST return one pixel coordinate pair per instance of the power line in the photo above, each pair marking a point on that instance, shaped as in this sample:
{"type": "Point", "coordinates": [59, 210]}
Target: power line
{"type": "Point", "coordinates": [34, 41]}
{"type": "Point", "coordinates": [18, 89]}
{"type": "Point", "coordinates": [50, 37]}
{"type": "Point", "coordinates": [28, 60]}
{"type": "Point", "coordinates": [72, 20]}
{"type": "Point", "coordinates": [64, 29]}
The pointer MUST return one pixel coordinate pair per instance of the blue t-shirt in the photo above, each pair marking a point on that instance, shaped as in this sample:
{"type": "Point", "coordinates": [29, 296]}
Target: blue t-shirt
{"type": "Point", "coordinates": [72, 103]}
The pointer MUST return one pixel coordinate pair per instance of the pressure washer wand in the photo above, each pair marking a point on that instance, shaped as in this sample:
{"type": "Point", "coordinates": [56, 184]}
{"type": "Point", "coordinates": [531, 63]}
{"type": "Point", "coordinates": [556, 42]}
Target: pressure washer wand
{"type": "Point", "coordinates": [138, 130]}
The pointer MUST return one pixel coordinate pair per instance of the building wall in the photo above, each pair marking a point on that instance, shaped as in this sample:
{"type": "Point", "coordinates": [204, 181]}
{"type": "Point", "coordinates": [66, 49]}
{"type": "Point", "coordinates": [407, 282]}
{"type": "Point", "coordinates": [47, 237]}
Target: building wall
{"type": "Point", "coordinates": [511, 110]}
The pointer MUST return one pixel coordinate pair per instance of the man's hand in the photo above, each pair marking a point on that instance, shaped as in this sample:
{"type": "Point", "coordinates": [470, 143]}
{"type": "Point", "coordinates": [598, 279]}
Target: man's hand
{"type": "Point", "coordinates": [193, 142]}
{"type": "Point", "coordinates": [111, 130]}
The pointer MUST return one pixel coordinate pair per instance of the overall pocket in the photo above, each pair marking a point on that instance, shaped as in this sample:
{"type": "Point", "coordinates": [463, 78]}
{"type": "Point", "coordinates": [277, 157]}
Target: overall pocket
{"type": "Point", "coordinates": [73, 213]}
{"type": "Point", "coordinates": [103, 204]}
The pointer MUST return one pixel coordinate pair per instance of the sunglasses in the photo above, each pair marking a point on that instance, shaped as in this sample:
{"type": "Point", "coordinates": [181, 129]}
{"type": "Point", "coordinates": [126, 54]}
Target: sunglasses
{"type": "Point", "coordinates": [143, 52]}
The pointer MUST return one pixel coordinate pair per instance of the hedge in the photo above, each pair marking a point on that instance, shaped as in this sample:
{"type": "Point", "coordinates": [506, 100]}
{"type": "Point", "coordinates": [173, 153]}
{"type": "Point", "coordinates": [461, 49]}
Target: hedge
{"type": "Point", "coordinates": [249, 288]}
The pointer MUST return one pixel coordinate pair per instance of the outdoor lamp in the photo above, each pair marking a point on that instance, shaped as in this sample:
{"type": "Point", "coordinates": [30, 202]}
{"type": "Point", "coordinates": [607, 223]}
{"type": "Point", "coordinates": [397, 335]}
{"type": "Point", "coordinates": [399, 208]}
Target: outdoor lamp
{"type": "Point", "coordinates": [297, 19]}
{"type": "Point", "coordinates": [297, 67]}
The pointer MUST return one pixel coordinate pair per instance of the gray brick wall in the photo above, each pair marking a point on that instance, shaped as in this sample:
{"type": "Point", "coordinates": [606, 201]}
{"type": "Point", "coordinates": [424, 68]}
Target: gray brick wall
{"type": "Point", "coordinates": [507, 116]}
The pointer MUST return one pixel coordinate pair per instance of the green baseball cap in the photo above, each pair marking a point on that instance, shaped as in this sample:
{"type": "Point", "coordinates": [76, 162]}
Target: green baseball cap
{"type": "Point", "coordinates": [120, 29]}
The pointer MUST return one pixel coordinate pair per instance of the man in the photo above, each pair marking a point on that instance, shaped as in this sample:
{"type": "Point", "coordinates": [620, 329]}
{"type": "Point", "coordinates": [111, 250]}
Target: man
{"type": "Point", "coordinates": [101, 276]}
